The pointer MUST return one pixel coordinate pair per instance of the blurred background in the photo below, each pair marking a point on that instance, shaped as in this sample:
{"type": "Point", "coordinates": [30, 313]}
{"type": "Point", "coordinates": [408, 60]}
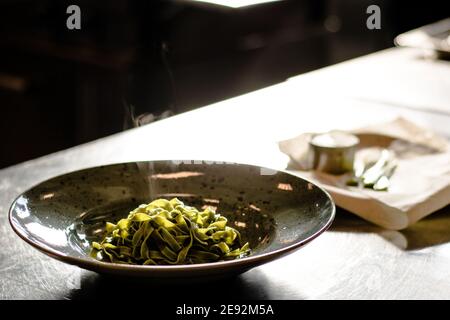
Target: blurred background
{"type": "Point", "coordinates": [139, 61]}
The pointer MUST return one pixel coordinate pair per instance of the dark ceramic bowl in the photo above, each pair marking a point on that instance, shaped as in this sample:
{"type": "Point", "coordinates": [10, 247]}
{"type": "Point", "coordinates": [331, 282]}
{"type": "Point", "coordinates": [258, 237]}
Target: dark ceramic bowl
{"type": "Point", "coordinates": [275, 211]}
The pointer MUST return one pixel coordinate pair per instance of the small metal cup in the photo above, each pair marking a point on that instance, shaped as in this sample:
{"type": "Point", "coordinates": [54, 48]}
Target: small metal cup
{"type": "Point", "coordinates": [333, 152]}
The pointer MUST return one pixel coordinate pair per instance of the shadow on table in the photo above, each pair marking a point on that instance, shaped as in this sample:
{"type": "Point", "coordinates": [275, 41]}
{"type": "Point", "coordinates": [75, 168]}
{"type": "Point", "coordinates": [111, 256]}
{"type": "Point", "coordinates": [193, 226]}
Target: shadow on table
{"type": "Point", "coordinates": [431, 231]}
{"type": "Point", "coordinates": [97, 286]}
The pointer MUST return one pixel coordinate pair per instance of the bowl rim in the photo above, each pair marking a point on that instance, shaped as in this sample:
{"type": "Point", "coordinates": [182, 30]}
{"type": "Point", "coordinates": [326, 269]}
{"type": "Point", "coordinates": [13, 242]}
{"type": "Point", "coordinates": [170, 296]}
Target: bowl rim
{"type": "Point", "coordinates": [94, 264]}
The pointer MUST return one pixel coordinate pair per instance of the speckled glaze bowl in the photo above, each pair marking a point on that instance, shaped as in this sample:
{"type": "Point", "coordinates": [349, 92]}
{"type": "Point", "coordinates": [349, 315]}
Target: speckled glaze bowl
{"type": "Point", "coordinates": [275, 211]}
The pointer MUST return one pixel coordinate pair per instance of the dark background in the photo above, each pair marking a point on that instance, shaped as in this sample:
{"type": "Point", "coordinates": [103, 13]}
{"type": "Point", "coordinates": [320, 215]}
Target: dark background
{"type": "Point", "coordinates": [60, 87]}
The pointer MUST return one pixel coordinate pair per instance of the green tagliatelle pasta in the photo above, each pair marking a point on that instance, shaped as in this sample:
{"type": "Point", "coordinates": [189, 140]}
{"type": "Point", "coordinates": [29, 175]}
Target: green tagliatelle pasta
{"type": "Point", "coordinates": [167, 232]}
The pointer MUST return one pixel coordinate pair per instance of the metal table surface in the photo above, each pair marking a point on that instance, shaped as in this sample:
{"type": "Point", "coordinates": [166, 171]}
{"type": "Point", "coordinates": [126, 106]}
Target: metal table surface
{"type": "Point", "coordinates": [353, 260]}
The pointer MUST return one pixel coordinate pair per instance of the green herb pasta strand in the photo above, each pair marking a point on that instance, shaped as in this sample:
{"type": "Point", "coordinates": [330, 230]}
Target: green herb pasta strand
{"type": "Point", "coordinates": [167, 232]}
